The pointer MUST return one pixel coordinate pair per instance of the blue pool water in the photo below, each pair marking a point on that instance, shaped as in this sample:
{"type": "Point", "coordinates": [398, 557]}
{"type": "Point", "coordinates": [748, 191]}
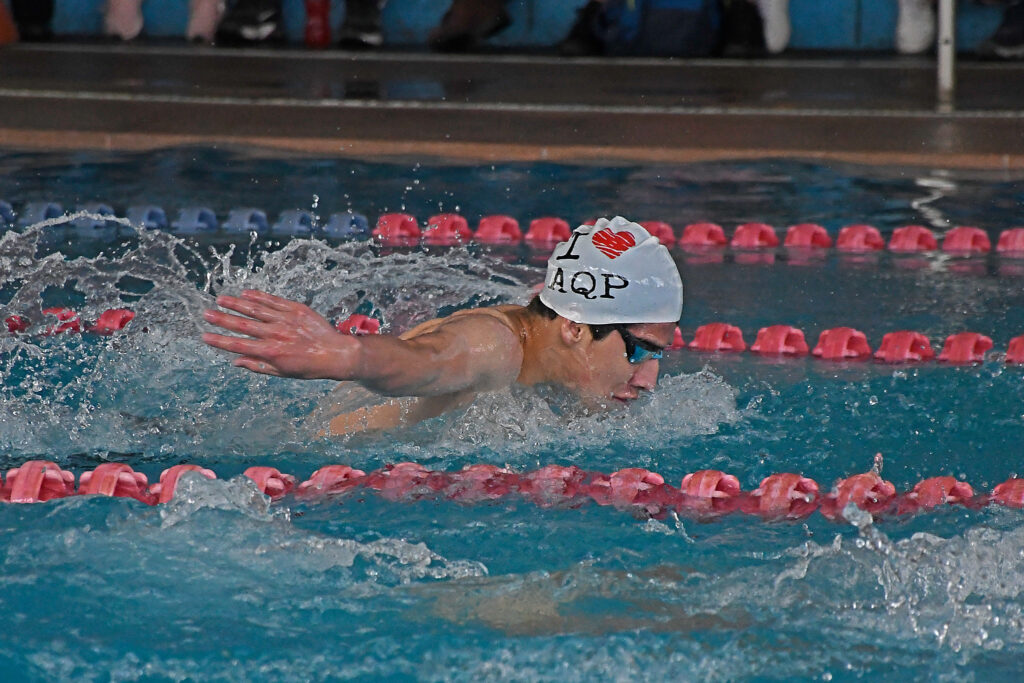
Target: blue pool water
{"type": "Point", "coordinates": [220, 584]}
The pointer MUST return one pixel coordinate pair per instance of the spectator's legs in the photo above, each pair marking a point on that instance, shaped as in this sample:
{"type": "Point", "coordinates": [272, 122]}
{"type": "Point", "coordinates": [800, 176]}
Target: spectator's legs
{"type": "Point", "coordinates": [249, 22]}
{"type": "Point", "coordinates": [203, 16]}
{"type": "Point", "coordinates": [775, 16]}
{"type": "Point", "coordinates": [33, 18]}
{"type": "Point", "coordinates": [1008, 40]}
{"type": "Point", "coordinates": [582, 39]}
{"type": "Point", "coordinates": [123, 19]}
{"type": "Point", "coordinates": [467, 23]}
{"type": "Point", "coordinates": [361, 28]}
{"type": "Point", "coordinates": [915, 26]}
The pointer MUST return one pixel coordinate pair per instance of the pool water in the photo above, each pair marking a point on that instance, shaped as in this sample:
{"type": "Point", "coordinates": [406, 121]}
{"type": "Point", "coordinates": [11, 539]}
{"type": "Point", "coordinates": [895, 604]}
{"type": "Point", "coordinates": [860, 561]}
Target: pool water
{"type": "Point", "coordinates": [222, 584]}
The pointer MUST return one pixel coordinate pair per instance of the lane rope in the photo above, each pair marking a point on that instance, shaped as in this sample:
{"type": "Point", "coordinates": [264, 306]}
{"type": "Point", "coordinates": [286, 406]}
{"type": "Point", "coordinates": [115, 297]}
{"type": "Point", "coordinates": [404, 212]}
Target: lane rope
{"type": "Point", "coordinates": [703, 494]}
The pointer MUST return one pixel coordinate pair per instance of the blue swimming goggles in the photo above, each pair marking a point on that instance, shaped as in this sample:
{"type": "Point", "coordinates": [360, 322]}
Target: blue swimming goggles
{"type": "Point", "coordinates": [638, 350]}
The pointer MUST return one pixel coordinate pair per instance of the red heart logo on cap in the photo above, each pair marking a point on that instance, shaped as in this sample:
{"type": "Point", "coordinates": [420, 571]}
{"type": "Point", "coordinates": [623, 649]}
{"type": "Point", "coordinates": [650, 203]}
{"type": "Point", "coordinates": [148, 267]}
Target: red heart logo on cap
{"type": "Point", "coordinates": [612, 244]}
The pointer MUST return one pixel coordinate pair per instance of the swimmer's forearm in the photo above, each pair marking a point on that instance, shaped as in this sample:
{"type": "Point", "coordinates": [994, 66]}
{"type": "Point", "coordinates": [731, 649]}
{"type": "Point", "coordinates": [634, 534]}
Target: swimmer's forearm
{"type": "Point", "coordinates": [396, 367]}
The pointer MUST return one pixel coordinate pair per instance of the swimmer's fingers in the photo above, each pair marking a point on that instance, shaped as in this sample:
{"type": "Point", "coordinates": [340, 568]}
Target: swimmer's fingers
{"type": "Point", "coordinates": [240, 345]}
{"type": "Point", "coordinates": [256, 365]}
{"type": "Point", "coordinates": [276, 303]}
{"type": "Point", "coordinates": [236, 323]}
{"type": "Point", "coordinates": [254, 309]}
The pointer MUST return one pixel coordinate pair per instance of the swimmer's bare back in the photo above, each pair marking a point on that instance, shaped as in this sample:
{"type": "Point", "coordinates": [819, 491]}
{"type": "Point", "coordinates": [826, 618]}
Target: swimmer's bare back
{"type": "Point", "coordinates": [477, 329]}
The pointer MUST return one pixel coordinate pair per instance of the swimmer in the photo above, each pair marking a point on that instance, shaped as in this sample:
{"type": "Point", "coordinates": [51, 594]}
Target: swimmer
{"type": "Point", "coordinates": [611, 301]}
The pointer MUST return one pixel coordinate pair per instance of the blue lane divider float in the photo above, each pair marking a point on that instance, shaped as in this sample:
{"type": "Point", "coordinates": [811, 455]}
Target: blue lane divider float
{"type": "Point", "coordinates": [294, 223]}
{"type": "Point", "coordinates": [37, 212]}
{"type": "Point", "coordinates": [148, 217]}
{"type": "Point", "coordinates": [246, 220]}
{"type": "Point", "coordinates": [195, 220]}
{"type": "Point", "coordinates": [347, 226]}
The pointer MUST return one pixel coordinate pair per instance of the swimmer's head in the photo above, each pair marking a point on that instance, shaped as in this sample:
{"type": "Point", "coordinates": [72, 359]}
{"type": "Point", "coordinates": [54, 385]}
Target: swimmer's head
{"type": "Point", "coordinates": [613, 272]}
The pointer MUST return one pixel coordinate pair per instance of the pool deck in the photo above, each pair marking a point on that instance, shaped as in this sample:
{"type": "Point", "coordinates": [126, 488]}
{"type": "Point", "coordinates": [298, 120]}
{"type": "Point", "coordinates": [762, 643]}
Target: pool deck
{"type": "Point", "coordinates": [879, 109]}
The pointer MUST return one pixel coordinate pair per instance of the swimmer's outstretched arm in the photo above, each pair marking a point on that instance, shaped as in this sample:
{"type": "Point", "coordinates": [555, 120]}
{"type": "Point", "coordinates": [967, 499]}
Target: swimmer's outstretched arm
{"type": "Point", "coordinates": [288, 339]}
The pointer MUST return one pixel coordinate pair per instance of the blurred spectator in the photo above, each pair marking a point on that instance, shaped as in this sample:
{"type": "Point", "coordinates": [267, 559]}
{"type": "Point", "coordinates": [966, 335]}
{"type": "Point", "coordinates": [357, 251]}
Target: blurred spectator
{"type": "Point", "coordinates": [915, 26]}
{"type": "Point", "coordinates": [467, 23]}
{"type": "Point", "coordinates": [1007, 42]}
{"type": "Point", "coordinates": [123, 19]}
{"type": "Point", "coordinates": [33, 18]}
{"type": "Point", "coordinates": [250, 22]}
{"type": "Point", "coordinates": [655, 28]}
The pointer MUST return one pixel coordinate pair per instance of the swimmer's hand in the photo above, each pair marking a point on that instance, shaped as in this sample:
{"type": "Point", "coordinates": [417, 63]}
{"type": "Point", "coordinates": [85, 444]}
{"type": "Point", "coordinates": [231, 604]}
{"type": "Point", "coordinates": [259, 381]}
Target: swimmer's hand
{"type": "Point", "coordinates": [286, 338]}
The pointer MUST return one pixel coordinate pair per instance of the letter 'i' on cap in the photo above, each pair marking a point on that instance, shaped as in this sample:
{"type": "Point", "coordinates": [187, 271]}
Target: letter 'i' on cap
{"type": "Point", "coordinates": [613, 272]}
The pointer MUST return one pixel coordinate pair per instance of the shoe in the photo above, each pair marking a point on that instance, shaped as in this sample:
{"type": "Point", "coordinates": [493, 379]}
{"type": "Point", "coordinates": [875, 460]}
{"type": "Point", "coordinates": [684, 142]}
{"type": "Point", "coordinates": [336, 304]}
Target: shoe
{"type": "Point", "coordinates": [1008, 40]}
{"type": "Point", "coordinates": [250, 22]}
{"type": "Point", "coordinates": [582, 40]}
{"type": "Point", "coordinates": [467, 23]}
{"type": "Point", "coordinates": [33, 18]}
{"type": "Point", "coordinates": [742, 31]}
{"type": "Point", "coordinates": [123, 19]}
{"type": "Point", "coordinates": [915, 27]}
{"type": "Point", "coordinates": [361, 28]}
{"type": "Point", "coordinates": [203, 17]}
{"type": "Point", "coordinates": [777, 30]}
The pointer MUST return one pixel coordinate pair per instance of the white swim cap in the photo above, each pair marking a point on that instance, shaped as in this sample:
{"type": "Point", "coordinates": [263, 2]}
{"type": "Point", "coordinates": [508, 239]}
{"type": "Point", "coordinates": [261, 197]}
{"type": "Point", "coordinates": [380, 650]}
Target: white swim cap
{"type": "Point", "coordinates": [613, 272]}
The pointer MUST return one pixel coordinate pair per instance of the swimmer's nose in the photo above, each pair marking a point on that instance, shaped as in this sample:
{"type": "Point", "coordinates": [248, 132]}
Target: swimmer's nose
{"type": "Point", "coordinates": [645, 376]}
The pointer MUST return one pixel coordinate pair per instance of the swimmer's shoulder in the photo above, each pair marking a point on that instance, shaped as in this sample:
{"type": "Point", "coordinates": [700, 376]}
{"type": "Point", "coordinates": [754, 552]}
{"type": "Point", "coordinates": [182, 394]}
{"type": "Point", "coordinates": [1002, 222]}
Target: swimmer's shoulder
{"type": "Point", "coordinates": [509, 315]}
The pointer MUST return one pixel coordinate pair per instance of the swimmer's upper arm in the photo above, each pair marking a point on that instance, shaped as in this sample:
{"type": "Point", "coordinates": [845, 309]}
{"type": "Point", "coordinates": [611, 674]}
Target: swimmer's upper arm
{"type": "Point", "coordinates": [469, 352]}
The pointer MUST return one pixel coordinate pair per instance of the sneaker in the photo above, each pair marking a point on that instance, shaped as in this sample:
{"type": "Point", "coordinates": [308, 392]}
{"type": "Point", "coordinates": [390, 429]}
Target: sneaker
{"type": "Point", "coordinates": [203, 17]}
{"type": "Point", "coordinates": [915, 27]}
{"type": "Point", "coordinates": [1008, 40]}
{"type": "Point", "coordinates": [467, 23]}
{"type": "Point", "coordinates": [123, 19]}
{"type": "Point", "coordinates": [775, 17]}
{"type": "Point", "coordinates": [361, 28]}
{"type": "Point", "coordinates": [33, 17]}
{"type": "Point", "coordinates": [250, 22]}
{"type": "Point", "coordinates": [583, 40]}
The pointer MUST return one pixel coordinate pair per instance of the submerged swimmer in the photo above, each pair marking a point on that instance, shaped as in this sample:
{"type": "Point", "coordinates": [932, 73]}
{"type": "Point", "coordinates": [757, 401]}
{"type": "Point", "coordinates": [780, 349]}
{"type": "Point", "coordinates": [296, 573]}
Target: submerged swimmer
{"type": "Point", "coordinates": [611, 301]}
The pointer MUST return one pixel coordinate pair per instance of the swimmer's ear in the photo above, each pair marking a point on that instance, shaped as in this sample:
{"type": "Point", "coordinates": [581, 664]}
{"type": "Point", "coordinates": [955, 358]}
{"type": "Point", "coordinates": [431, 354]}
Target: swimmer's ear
{"type": "Point", "coordinates": [574, 333]}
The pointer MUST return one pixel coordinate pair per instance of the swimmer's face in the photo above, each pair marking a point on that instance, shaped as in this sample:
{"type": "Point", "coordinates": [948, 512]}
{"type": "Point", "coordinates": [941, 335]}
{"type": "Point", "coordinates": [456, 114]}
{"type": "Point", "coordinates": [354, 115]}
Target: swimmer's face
{"type": "Point", "coordinates": [609, 378]}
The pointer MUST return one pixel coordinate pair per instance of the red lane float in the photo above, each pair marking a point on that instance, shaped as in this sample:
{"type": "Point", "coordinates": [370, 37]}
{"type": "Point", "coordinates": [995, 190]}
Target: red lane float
{"type": "Point", "coordinates": [553, 485]}
{"type": "Point", "coordinates": [702, 235]}
{"type": "Point", "coordinates": [1010, 493]}
{"type": "Point", "coordinates": [966, 240]}
{"type": "Point", "coordinates": [754, 236]}
{"type": "Point", "coordinates": [330, 479]}
{"type": "Point", "coordinates": [163, 491]}
{"type": "Point", "coordinates": [38, 481]}
{"type": "Point", "coordinates": [867, 491]}
{"type": "Point", "coordinates": [709, 491]}
{"type": "Point", "coordinates": [785, 495]}
{"type": "Point", "coordinates": [965, 347]}
{"type": "Point", "coordinates": [860, 238]}
{"type": "Point", "coordinates": [270, 481]}
{"type": "Point", "coordinates": [780, 340]}
{"type": "Point", "coordinates": [718, 337]}
{"type": "Point", "coordinates": [677, 340]}
{"type": "Point", "coordinates": [842, 343]}
{"type": "Point", "coordinates": [1015, 350]}
{"type": "Point", "coordinates": [358, 324]}
{"type": "Point", "coordinates": [663, 231]}
{"type": "Point", "coordinates": [397, 230]}
{"type": "Point", "coordinates": [1011, 241]}
{"type": "Point", "coordinates": [904, 346]}
{"type": "Point", "coordinates": [934, 492]}
{"type": "Point", "coordinates": [807, 236]}
{"type": "Point", "coordinates": [68, 321]}
{"type": "Point", "coordinates": [447, 229]}
{"type": "Point", "coordinates": [498, 230]}
{"type": "Point", "coordinates": [547, 230]}
{"type": "Point", "coordinates": [117, 480]}
{"type": "Point", "coordinates": [912, 239]}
